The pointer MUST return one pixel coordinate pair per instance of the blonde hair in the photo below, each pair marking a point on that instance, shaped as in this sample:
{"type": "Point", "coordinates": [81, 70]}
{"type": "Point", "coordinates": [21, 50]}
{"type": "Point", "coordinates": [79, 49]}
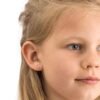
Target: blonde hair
{"type": "Point", "coordinates": [38, 19]}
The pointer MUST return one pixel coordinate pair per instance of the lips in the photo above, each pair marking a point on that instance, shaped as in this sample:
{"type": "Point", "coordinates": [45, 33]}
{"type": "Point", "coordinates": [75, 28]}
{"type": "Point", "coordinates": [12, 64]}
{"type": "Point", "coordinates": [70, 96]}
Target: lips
{"type": "Point", "coordinates": [88, 80]}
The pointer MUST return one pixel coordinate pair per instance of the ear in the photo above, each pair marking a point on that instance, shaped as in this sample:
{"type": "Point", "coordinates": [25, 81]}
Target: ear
{"type": "Point", "coordinates": [30, 54]}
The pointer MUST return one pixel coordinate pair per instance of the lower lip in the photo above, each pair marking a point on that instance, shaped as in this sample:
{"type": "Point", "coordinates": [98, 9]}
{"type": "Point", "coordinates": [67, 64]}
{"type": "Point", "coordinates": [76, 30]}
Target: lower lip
{"type": "Point", "coordinates": [88, 81]}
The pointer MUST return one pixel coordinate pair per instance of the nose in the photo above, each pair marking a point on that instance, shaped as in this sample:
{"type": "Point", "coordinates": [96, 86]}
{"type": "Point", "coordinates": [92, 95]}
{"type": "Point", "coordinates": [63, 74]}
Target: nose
{"type": "Point", "coordinates": [90, 61]}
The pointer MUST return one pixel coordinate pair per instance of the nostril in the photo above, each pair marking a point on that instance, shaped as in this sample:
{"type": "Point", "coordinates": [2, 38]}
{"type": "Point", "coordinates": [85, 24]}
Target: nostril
{"type": "Point", "coordinates": [96, 66]}
{"type": "Point", "coordinates": [88, 66]}
{"type": "Point", "coordinates": [90, 62]}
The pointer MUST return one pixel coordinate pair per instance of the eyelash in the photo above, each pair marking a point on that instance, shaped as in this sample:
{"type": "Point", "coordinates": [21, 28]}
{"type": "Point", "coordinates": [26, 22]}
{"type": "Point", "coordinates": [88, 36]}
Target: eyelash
{"type": "Point", "coordinates": [74, 46]}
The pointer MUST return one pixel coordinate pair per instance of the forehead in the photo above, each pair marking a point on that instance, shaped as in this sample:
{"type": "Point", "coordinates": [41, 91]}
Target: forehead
{"type": "Point", "coordinates": [77, 17]}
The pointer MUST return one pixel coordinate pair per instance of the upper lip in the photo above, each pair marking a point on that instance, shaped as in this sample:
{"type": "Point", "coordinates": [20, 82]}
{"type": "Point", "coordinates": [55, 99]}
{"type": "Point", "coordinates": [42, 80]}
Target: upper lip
{"type": "Point", "coordinates": [92, 78]}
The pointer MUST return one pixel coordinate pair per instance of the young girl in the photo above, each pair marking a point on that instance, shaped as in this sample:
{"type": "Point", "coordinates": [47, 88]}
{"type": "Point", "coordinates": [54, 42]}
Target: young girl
{"type": "Point", "coordinates": [60, 50]}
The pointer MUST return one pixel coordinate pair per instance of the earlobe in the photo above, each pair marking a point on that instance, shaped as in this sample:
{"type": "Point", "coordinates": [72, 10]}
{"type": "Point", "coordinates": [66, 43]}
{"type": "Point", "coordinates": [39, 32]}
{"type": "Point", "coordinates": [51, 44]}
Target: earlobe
{"type": "Point", "coordinates": [30, 54]}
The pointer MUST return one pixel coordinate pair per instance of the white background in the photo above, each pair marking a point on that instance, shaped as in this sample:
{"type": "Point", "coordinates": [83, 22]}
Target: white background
{"type": "Point", "coordinates": [10, 33]}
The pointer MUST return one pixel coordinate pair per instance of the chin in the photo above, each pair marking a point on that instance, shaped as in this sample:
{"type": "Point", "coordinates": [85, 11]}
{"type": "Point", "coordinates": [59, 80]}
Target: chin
{"type": "Point", "coordinates": [88, 96]}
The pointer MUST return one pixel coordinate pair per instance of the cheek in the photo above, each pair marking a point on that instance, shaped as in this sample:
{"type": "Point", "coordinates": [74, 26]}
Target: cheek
{"type": "Point", "coordinates": [60, 71]}
{"type": "Point", "coordinates": [65, 70]}
{"type": "Point", "coordinates": [59, 76]}
{"type": "Point", "coordinates": [60, 65]}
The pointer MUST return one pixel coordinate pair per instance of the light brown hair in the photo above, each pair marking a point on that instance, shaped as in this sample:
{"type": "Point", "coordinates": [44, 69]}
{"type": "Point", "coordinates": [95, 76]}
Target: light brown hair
{"type": "Point", "coordinates": [38, 19]}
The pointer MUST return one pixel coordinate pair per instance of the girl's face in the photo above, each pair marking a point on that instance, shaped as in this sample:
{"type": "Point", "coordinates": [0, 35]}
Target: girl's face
{"type": "Point", "coordinates": [71, 57]}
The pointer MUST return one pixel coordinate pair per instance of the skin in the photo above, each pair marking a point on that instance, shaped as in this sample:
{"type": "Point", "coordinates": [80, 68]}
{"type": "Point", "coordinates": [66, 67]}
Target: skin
{"type": "Point", "coordinates": [63, 63]}
{"type": "Point", "coordinates": [71, 52]}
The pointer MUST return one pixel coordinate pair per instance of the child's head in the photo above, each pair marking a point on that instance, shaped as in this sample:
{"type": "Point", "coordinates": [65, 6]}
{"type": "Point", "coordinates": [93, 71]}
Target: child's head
{"type": "Point", "coordinates": [60, 50]}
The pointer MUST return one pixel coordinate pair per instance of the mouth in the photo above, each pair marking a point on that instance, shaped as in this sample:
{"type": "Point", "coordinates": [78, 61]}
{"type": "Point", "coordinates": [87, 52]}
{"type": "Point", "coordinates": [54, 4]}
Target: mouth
{"type": "Point", "coordinates": [88, 80]}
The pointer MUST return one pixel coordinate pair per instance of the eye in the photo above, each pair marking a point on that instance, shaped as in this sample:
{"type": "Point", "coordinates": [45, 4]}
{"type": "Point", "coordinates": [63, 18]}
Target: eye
{"type": "Point", "coordinates": [74, 46]}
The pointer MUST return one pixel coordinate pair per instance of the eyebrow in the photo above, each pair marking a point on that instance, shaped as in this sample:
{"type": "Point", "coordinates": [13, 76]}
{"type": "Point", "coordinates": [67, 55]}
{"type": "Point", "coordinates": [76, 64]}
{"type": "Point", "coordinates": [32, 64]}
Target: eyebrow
{"type": "Point", "coordinates": [74, 38]}
{"type": "Point", "coordinates": [77, 39]}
